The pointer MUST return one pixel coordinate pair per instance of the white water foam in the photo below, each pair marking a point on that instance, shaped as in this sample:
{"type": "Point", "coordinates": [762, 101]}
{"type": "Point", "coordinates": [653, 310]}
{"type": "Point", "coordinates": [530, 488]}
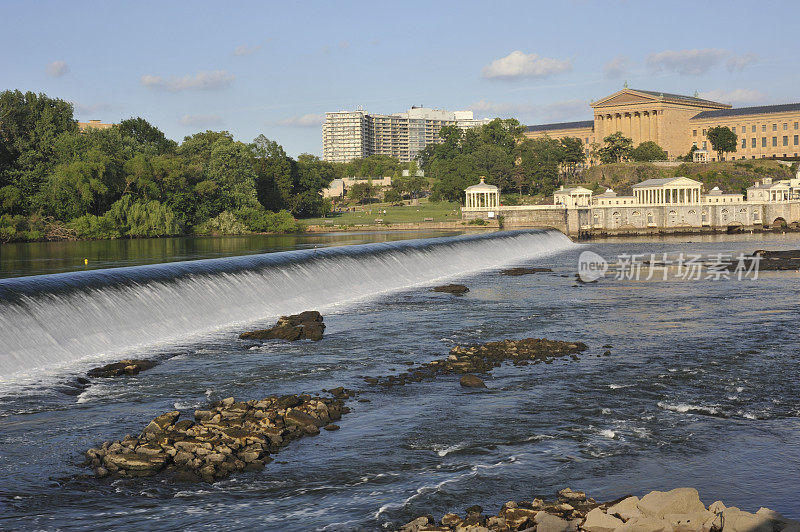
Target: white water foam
{"type": "Point", "coordinates": [684, 408]}
{"type": "Point", "coordinates": [54, 320]}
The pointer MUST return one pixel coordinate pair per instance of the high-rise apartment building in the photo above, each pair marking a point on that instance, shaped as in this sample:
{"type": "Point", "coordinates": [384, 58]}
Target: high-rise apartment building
{"type": "Point", "coordinates": [348, 135]}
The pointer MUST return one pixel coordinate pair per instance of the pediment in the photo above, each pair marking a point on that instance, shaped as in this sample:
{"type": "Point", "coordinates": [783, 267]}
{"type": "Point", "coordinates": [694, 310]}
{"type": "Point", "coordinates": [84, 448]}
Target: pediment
{"type": "Point", "coordinates": [624, 97]}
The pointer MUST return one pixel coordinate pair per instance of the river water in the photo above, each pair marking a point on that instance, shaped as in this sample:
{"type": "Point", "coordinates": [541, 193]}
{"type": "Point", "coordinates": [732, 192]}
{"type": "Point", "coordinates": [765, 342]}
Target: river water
{"type": "Point", "coordinates": [700, 388]}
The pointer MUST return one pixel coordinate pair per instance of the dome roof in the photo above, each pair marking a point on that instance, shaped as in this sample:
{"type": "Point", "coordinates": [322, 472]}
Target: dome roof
{"type": "Point", "coordinates": [482, 187]}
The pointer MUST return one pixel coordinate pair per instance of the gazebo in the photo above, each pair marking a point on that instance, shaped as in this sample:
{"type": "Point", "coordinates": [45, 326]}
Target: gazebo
{"type": "Point", "coordinates": [482, 197]}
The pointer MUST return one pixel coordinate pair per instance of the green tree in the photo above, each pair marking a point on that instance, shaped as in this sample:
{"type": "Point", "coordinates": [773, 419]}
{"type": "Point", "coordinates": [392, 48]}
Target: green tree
{"type": "Point", "coordinates": [540, 159]}
{"type": "Point", "coordinates": [617, 148]}
{"type": "Point", "coordinates": [722, 140]}
{"type": "Point", "coordinates": [146, 134]}
{"type": "Point", "coordinates": [573, 154]}
{"type": "Point", "coordinates": [648, 151]}
{"type": "Point", "coordinates": [362, 192]}
{"type": "Point", "coordinates": [276, 174]}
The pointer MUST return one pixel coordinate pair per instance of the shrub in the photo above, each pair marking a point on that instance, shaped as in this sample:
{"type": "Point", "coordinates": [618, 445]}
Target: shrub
{"type": "Point", "coordinates": [225, 223]}
{"type": "Point", "coordinates": [477, 221]}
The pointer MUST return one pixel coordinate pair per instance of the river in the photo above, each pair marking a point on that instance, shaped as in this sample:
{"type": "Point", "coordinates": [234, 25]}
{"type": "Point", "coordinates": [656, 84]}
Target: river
{"type": "Point", "coordinates": [699, 389]}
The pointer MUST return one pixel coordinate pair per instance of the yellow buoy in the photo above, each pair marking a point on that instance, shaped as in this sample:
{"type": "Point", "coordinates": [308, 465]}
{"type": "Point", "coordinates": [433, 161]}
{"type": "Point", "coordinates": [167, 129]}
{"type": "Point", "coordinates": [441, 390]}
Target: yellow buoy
{"type": "Point", "coordinates": [86, 261]}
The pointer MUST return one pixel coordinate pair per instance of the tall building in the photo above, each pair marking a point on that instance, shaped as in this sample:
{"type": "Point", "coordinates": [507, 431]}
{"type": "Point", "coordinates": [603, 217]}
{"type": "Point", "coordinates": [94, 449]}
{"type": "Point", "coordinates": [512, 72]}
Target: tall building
{"type": "Point", "coordinates": [676, 123]}
{"type": "Point", "coordinates": [348, 135]}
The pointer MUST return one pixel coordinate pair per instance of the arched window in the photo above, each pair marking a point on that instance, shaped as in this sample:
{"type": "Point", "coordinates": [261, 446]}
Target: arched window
{"type": "Point", "coordinates": [692, 212]}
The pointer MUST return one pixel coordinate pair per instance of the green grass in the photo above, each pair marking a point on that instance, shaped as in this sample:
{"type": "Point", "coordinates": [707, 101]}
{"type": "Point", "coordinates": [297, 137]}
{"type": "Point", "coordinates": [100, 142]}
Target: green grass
{"type": "Point", "coordinates": [440, 212]}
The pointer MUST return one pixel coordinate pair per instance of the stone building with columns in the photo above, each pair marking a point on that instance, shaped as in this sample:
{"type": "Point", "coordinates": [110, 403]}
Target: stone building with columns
{"type": "Point", "coordinates": [677, 122]}
{"type": "Point", "coordinates": [676, 204]}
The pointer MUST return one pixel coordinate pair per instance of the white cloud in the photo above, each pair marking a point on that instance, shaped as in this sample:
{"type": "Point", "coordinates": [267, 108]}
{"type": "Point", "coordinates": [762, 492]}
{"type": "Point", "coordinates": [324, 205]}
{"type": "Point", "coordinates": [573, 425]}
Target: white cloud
{"type": "Point", "coordinates": [734, 96]}
{"type": "Point", "coordinates": [246, 50]}
{"type": "Point", "coordinates": [201, 120]}
{"type": "Point", "coordinates": [739, 62]}
{"type": "Point", "coordinates": [57, 69]}
{"type": "Point", "coordinates": [617, 67]}
{"type": "Point", "coordinates": [519, 65]}
{"type": "Point", "coordinates": [214, 80]}
{"type": "Point", "coordinates": [687, 62]}
{"type": "Point", "coordinates": [307, 120]}
{"type": "Point", "coordinates": [552, 112]}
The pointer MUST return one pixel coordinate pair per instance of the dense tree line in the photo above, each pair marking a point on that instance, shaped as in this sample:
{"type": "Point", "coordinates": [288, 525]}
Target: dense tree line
{"type": "Point", "coordinates": [499, 151]}
{"type": "Point", "coordinates": [130, 180]}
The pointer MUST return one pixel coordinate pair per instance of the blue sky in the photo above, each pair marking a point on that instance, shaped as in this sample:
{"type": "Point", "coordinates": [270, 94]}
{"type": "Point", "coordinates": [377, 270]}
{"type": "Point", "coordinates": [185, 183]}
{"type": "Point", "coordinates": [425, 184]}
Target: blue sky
{"type": "Point", "coordinates": [276, 67]}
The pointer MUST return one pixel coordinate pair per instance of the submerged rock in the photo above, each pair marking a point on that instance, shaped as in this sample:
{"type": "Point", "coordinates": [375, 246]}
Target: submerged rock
{"type": "Point", "coordinates": [123, 367]}
{"type": "Point", "coordinates": [524, 271]}
{"type": "Point", "coordinates": [471, 381]}
{"type": "Point", "coordinates": [228, 436]}
{"type": "Point", "coordinates": [484, 358]}
{"type": "Point", "coordinates": [304, 326]}
{"type": "Point", "coordinates": [456, 289]}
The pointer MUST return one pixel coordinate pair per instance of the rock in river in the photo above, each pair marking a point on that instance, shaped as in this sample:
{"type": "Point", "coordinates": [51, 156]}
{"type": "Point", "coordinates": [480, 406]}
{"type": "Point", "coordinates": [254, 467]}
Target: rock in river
{"type": "Point", "coordinates": [123, 367]}
{"type": "Point", "coordinates": [471, 381]}
{"type": "Point", "coordinates": [227, 437]}
{"type": "Point", "coordinates": [304, 326]}
{"type": "Point", "coordinates": [524, 271]}
{"type": "Point", "coordinates": [456, 289]}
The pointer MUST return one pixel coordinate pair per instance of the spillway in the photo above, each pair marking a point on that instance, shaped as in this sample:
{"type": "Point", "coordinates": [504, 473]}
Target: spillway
{"type": "Point", "coordinates": [59, 318]}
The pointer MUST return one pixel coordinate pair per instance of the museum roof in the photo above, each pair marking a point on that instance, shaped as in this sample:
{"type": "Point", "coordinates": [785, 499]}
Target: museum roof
{"type": "Point", "coordinates": [743, 111]}
{"type": "Point", "coordinates": [561, 125]}
{"type": "Point", "coordinates": [672, 96]}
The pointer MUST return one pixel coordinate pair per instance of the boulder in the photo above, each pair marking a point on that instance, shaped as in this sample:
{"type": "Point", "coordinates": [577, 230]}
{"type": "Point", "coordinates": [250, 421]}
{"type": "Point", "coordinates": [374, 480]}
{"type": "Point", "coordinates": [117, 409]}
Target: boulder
{"type": "Point", "coordinates": [691, 522]}
{"type": "Point", "coordinates": [456, 289]}
{"type": "Point", "coordinates": [716, 507]}
{"type": "Point", "coordinates": [735, 520]}
{"type": "Point", "coordinates": [571, 496]}
{"type": "Point", "coordinates": [646, 524]}
{"type": "Point", "coordinates": [304, 326]}
{"type": "Point", "coordinates": [137, 462]}
{"type": "Point", "coordinates": [599, 521]}
{"type": "Point", "coordinates": [471, 381]}
{"type": "Point", "coordinates": [415, 525]}
{"type": "Point", "coordinates": [123, 367]}
{"type": "Point", "coordinates": [546, 522]}
{"type": "Point", "coordinates": [298, 417]}
{"type": "Point", "coordinates": [626, 509]}
{"type": "Point", "coordinates": [677, 501]}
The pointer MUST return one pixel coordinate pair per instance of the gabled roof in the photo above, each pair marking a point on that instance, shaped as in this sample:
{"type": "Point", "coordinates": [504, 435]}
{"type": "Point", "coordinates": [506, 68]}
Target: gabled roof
{"type": "Point", "coordinates": [663, 181]}
{"type": "Point", "coordinates": [570, 190]}
{"type": "Point", "coordinates": [744, 111]}
{"type": "Point", "coordinates": [776, 184]}
{"type": "Point", "coordinates": [628, 96]}
{"type": "Point", "coordinates": [561, 125]}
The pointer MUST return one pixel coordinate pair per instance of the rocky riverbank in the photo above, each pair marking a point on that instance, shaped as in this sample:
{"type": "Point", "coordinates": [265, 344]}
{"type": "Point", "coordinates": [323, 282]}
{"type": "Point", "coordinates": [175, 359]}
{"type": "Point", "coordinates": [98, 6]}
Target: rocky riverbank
{"type": "Point", "coordinates": [227, 437]}
{"type": "Point", "coordinates": [484, 358]}
{"type": "Point", "coordinates": [678, 510]}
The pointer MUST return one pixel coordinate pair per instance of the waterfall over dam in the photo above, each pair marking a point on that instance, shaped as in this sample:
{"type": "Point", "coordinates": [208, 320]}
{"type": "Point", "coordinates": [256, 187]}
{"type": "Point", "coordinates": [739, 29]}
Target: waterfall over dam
{"type": "Point", "coordinates": [59, 318]}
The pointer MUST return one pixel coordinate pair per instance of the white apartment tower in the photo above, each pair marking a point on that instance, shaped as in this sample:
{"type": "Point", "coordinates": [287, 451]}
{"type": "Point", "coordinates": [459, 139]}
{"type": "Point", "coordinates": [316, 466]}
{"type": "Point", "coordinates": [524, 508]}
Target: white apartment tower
{"type": "Point", "coordinates": [348, 135]}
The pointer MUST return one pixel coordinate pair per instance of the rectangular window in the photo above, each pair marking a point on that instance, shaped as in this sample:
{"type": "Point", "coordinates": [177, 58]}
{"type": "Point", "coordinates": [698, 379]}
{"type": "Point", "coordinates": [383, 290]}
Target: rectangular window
{"type": "Point", "coordinates": [795, 125]}
{"type": "Point", "coordinates": [774, 127]}
{"type": "Point", "coordinates": [785, 126]}
{"type": "Point", "coordinates": [754, 128]}
{"type": "Point", "coordinates": [763, 127]}
{"type": "Point", "coordinates": [774, 141]}
{"type": "Point", "coordinates": [785, 140]}
{"type": "Point", "coordinates": [753, 144]}
{"type": "Point", "coordinates": [694, 132]}
{"type": "Point", "coordinates": [796, 138]}
{"type": "Point", "coordinates": [744, 143]}
{"type": "Point", "coordinates": [704, 145]}
{"type": "Point", "coordinates": [763, 142]}
{"type": "Point", "coordinates": [704, 132]}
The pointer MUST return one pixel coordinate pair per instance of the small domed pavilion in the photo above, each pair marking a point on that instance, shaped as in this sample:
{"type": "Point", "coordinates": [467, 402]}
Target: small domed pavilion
{"type": "Point", "coordinates": [482, 196]}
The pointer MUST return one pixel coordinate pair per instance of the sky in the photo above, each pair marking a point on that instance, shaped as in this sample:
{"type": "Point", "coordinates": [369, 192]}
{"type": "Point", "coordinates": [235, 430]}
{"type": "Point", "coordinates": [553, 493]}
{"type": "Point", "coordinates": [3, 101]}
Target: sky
{"type": "Point", "coordinates": [275, 68]}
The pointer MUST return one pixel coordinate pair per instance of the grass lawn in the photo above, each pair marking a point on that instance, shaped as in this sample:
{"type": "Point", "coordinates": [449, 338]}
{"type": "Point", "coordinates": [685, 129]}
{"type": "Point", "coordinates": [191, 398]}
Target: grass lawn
{"type": "Point", "coordinates": [367, 214]}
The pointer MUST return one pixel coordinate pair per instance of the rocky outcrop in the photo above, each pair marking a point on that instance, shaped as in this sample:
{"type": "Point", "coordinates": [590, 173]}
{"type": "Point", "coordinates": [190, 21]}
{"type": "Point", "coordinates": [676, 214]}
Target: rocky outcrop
{"type": "Point", "coordinates": [524, 271]}
{"type": "Point", "coordinates": [304, 326]}
{"type": "Point", "coordinates": [678, 510]}
{"type": "Point", "coordinates": [456, 289]}
{"type": "Point", "coordinates": [227, 437]}
{"type": "Point", "coordinates": [123, 367]}
{"type": "Point", "coordinates": [484, 358]}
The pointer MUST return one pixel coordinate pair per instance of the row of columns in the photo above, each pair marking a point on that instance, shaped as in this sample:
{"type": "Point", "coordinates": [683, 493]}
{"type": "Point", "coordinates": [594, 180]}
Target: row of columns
{"type": "Point", "coordinates": [483, 200]}
{"type": "Point", "coordinates": [638, 125]}
{"type": "Point", "coordinates": [779, 195]}
{"type": "Point", "coordinates": [676, 195]}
